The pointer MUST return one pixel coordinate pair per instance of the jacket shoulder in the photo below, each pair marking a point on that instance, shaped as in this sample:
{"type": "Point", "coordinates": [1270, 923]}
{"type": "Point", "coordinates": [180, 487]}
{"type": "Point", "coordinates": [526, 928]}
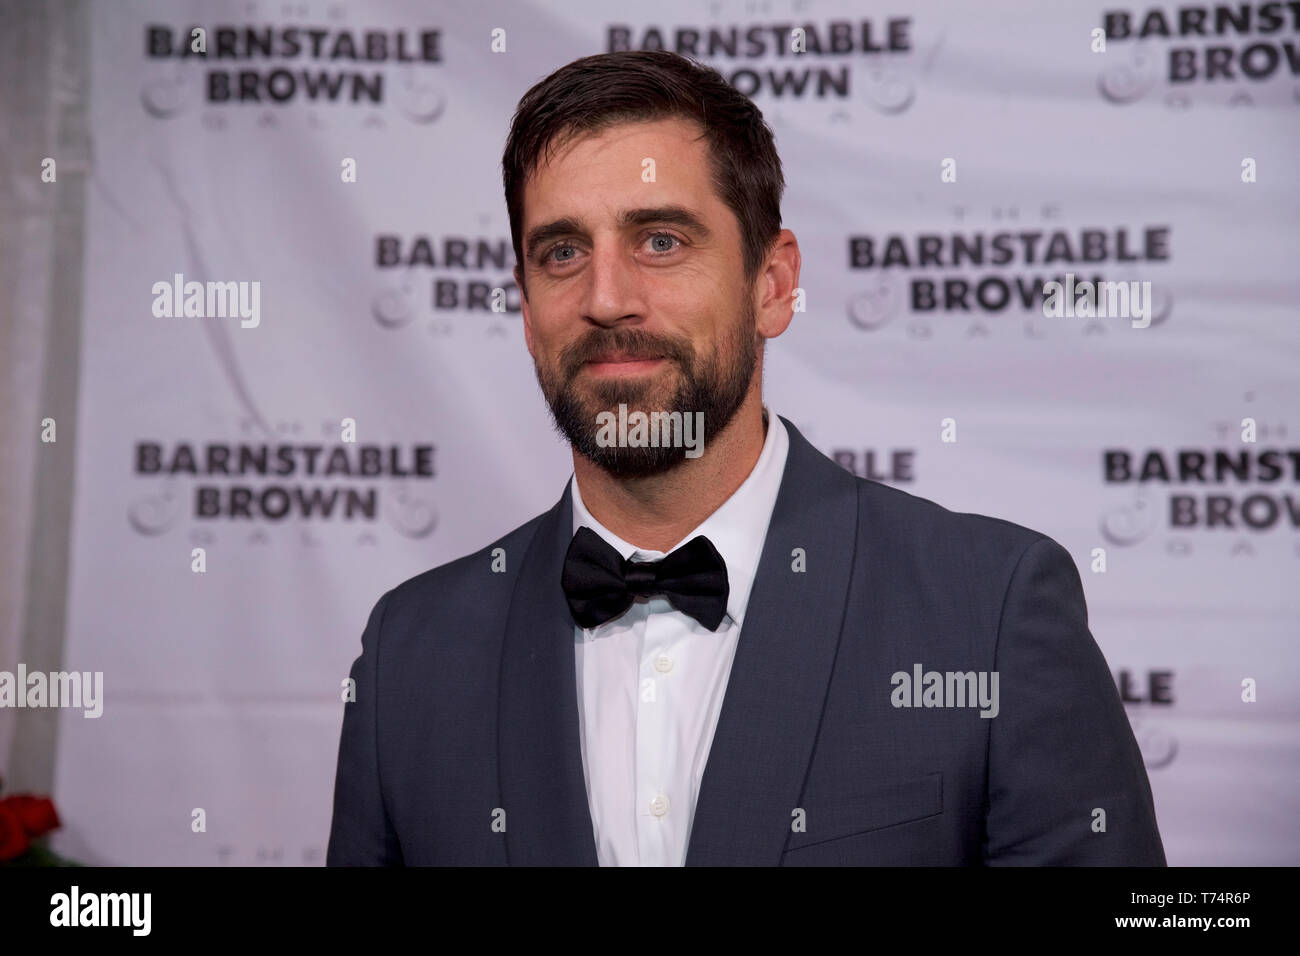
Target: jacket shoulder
{"type": "Point", "coordinates": [900, 526]}
{"type": "Point", "coordinates": [467, 588]}
{"type": "Point", "coordinates": [933, 540]}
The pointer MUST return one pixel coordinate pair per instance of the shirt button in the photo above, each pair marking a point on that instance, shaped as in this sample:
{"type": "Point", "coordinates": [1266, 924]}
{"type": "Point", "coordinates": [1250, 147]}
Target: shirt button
{"type": "Point", "coordinates": [659, 805]}
{"type": "Point", "coordinates": [663, 663]}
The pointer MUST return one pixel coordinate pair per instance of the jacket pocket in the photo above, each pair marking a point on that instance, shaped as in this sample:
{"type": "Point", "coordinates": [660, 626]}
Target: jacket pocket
{"type": "Point", "coordinates": [861, 809]}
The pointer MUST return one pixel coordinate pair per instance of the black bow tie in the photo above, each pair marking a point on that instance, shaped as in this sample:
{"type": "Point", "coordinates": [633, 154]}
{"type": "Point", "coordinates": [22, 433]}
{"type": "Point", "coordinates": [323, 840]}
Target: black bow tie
{"type": "Point", "coordinates": [601, 584]}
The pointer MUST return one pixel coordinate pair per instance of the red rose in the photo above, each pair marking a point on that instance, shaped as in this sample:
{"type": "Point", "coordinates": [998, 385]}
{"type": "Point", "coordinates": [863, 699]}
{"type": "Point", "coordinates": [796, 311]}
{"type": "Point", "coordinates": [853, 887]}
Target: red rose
{"type": "Point", "coordinates": [13, 839]}
{"type": "Point", "coordinates": [34, 814]}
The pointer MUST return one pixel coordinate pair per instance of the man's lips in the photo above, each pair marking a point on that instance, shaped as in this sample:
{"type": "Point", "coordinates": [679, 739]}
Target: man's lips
{"type": "Point", "coordinates": [621, 364]}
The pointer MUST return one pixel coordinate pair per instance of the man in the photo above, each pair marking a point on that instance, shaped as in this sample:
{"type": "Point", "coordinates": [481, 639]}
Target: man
{"type": "Point", "coordinates": [740, 656]}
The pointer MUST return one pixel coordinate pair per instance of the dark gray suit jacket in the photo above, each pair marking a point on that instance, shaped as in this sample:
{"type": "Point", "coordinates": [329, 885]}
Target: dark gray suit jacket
{"type": "Point", "coordinates": [466, 713]}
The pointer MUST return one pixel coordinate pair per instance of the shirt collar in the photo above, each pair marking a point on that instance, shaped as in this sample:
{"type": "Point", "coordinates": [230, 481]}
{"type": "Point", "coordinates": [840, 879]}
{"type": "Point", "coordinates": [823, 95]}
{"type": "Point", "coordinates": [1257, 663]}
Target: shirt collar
{"type": "Point", "coordinates": [737, 529]}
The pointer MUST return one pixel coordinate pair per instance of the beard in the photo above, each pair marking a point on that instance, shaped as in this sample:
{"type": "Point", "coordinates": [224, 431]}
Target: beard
{"type": "Point", "coordinates": [716, 387]}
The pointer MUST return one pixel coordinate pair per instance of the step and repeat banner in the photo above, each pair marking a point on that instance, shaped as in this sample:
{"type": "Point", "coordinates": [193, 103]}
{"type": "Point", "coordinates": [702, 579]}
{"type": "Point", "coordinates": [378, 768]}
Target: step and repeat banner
{"type": "Point", "coordinates": [296, 391]}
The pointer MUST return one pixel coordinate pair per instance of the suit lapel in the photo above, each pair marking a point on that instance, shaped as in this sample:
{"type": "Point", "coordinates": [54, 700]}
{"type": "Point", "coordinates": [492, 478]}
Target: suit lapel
{"type": "Point", "coordinates": [779, 677]}
{"type": "Point", "coordinates": [543, 789]}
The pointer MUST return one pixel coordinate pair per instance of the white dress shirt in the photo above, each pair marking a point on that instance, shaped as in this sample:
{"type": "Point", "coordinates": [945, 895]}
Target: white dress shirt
{"type": "Point", "coordinates": [651, 681]}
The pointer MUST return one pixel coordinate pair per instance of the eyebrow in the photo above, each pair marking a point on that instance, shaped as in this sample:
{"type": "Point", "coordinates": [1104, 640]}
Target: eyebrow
{"type": "Point", "coordinates": [669, 215]}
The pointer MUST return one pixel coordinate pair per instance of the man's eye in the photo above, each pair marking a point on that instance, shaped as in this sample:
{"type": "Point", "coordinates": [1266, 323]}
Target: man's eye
{"type": "Point", "coordinates": [662, 247]}
{"type": "Point", "coordinates": [560, 248]}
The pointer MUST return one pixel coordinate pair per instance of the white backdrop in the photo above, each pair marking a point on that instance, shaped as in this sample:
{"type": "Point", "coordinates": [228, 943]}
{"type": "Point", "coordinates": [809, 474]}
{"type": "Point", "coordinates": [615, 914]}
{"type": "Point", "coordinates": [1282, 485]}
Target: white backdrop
{"type": "Point", "coordinates": [222, 687]}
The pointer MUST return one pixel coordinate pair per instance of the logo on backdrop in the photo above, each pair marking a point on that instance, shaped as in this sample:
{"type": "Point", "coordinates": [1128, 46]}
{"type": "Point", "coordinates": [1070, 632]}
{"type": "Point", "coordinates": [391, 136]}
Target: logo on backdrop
{"type": "Point", "coordinates": [980, 276]}
{"type": "Point", "coordinates": [872, 62]}
{"type": "Point", "coordinates": [467, 274]}
{"type": "Point", "coordinates": [1241, 492]}
{"type": "Point", "coordinates": [1143, 694]}
{"type": "Point", "coordinates": [255, 65]}
{"type": "Point", "coordinates": [1234, 53]}
{"type": "Point", "coordinates": [256, 485]}
{"type": "Point", "coordinates": [893, 466]}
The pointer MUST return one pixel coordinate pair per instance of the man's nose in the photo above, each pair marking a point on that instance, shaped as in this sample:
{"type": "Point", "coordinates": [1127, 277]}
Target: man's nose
{"type": "Point", "coordinates": [611, 292]}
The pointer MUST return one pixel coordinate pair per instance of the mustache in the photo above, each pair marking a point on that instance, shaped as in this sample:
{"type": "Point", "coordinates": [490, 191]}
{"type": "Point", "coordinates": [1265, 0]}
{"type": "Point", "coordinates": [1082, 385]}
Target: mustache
{"type": "Point", "coordinates": [631, 342]}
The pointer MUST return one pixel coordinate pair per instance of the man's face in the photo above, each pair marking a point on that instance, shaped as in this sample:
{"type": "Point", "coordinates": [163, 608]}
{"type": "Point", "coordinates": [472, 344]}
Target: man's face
{"type": "Point", "coordinates": [636, 293]}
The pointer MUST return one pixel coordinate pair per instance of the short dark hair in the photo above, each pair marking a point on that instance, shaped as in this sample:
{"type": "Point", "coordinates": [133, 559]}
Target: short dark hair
{"type": "Point", "coordinates": [594, 93]}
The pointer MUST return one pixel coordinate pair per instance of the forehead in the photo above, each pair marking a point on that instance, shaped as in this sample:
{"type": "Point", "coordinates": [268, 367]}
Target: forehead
{"type": "Point", "coordinates": [593, 168]}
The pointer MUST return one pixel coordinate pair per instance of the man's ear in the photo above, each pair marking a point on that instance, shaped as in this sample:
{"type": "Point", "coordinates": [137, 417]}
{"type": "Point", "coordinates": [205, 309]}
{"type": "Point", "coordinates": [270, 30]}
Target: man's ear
{"type": "Point", "coordinates": [778, 282]}
{"type": "Point", "coordinates": [525, 311]}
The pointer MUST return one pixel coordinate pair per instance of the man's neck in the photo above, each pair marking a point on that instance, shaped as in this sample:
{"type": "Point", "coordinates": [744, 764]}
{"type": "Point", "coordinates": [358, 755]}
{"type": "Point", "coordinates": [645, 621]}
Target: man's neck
{"type": "Point", "coordinates": [655, 513]}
